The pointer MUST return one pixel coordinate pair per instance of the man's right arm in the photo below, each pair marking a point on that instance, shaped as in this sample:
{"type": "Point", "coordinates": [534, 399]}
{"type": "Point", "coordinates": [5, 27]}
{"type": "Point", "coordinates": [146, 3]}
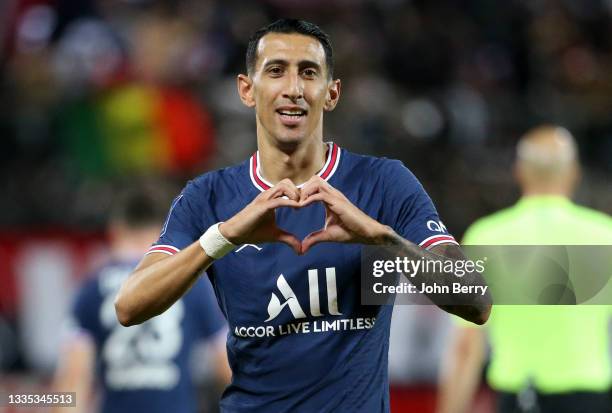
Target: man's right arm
{"type": "Point", "coordinates": [159, 281]}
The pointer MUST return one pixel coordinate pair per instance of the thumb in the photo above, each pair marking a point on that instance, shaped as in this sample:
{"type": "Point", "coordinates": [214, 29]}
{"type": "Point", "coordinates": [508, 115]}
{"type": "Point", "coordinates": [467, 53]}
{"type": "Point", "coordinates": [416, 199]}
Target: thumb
{"type": "Point", "coordinates": [289, 239]}
{"type": "Point", "coordinates": [313, 238]}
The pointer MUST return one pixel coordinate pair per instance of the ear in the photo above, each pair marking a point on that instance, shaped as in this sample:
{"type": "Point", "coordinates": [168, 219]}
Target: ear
{"type": "Point", "coordinates": [333, 95]}
{"type": "Point", "coordinates": [575, 176]}
{"type": "Point", "coordinates": [518, 174]}
{"type": "Point", "coordinates": [245, 90]}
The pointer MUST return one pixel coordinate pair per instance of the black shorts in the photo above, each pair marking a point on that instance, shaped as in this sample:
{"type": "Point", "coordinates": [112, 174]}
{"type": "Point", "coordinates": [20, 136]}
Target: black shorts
{"type": "Point", "coordinates": [577, 402]}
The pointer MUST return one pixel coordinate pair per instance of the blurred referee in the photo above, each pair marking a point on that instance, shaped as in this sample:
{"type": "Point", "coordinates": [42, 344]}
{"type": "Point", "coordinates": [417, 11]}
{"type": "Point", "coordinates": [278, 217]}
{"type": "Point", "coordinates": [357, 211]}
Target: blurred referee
{"type": "Point", "coordinates": [546, 359]}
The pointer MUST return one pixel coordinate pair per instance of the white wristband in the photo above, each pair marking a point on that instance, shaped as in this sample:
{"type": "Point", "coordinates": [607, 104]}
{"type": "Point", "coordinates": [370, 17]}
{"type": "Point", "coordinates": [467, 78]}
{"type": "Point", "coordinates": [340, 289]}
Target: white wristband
{"type": "Point", "coordinates": [214, 244]}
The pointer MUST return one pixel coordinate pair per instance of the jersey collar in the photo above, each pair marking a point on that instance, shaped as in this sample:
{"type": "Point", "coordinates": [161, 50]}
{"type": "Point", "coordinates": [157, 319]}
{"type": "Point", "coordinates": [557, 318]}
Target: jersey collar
{"type": "Point", "coordinates": [330, 166]}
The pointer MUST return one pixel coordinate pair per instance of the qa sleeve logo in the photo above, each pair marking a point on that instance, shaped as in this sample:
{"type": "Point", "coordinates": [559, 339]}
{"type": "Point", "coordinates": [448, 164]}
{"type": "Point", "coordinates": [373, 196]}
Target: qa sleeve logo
{"type": "Point", "coordinates": [291, 301]}
{"type": "Point", "coordinates": [436, 226]}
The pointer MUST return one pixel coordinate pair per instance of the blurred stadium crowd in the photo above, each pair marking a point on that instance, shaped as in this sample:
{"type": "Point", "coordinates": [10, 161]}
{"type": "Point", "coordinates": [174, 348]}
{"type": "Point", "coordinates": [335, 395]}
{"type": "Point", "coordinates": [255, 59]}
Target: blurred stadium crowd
{"type": "Point", "coordinates": [94, 94]}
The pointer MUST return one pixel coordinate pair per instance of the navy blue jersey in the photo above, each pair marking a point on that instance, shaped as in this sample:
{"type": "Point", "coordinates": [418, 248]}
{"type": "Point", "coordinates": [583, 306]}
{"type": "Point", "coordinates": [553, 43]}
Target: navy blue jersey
{"type": "Point", "coordinates": [145, 368]}
{"type": "Point", "coordinates": [300, 340]}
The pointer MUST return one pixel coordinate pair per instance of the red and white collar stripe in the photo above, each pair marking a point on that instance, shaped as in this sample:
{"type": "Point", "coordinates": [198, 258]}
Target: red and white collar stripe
{"type": "Point", "coordinates": [434, 240]}
{"type": "Point", "coordinates": [330, 166]}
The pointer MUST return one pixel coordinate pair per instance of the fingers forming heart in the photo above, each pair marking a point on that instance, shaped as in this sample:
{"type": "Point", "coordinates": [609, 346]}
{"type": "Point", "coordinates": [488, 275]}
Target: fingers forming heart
{"type": "Point", "coordinates": [318, 190]}
{"type": "Point", "coordinates": [333, 229]}
{"type": "Point", "coordinates": [286, 194]}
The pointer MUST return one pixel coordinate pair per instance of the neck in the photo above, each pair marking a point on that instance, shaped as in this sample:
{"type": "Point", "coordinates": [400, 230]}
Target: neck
{"type": "Point", "coordinates": [547, 191]}
{"type": "Point", "coordinates": [297, 162]}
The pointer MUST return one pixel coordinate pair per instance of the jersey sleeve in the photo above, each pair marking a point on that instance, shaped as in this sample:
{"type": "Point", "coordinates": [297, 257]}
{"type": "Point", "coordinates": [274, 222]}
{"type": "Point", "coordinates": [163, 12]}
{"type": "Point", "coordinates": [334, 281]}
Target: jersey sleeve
{"type": "Point", "coordinates": [414, 215]}
{"type": "Point", "coordinates": [183, 224]}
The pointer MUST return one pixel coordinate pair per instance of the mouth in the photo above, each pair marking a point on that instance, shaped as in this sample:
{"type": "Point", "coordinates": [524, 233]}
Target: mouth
{"type": "Point", "coordinates": [291, 116]}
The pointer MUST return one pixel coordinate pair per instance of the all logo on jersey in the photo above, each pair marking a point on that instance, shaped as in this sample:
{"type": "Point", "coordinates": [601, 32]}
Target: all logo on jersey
{"type": "Point", "coordinates": [301, 307]}
{"type": "Point", "coordinates": [290, 300]}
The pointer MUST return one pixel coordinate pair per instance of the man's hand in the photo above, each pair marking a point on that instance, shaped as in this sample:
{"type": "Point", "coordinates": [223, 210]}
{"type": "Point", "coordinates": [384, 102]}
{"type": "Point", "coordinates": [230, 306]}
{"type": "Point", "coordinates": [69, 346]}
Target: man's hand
{"type": "Point", "coordinates": [344, 222]}
{"type": "Point", "coordinates": [256, 223]}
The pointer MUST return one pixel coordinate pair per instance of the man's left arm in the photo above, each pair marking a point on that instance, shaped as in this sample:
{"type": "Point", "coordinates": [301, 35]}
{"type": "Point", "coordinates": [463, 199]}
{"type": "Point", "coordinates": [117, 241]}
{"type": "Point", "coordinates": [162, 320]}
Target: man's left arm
{"type": "Point", "coordinates": [473, 305]}
{"type": "Point", "coordinates": [344, 222]}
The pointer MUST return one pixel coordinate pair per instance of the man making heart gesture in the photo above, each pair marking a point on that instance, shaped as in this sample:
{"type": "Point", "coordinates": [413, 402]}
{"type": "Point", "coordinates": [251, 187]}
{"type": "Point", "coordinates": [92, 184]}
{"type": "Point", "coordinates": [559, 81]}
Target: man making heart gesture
{"type": "Point", "coordinates": [300, 339]}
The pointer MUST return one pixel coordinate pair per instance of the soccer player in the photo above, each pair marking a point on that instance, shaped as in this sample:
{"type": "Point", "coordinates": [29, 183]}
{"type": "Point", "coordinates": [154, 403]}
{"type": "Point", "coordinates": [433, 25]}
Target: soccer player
{"type": "Point", "coordinates": [560, 352]}
{"type": "Point", "coordinates": [143, 368]}
{"type": "Point", "coordinates": [279, 234]}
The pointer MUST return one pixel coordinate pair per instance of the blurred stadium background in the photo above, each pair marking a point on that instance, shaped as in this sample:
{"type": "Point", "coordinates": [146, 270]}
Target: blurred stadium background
{"type": "Point", "coordinates": [95, 95]}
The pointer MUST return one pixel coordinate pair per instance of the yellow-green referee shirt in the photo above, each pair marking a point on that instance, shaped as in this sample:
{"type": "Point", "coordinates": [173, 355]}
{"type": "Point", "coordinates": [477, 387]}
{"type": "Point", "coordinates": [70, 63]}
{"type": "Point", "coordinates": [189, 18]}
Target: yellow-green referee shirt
{"type": "Point", "coordinates": [559, 348]}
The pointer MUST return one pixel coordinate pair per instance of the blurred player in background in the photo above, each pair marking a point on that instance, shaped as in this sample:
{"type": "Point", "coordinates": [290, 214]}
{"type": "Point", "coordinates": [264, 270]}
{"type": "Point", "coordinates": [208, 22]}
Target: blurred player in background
{"type": "Point", "coordinates": [418, 338]}
{"type": "Point", "coordinates": [143, 368]}
{"type": "Point", "coordinates": [546, 359]}
{"type": "Point", "coordinates": [300, 339]}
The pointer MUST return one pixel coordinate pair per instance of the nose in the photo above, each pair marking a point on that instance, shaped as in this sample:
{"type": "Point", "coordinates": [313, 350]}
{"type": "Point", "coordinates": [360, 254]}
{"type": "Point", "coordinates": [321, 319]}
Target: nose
{"type": "Point", "coordinates": [294, 89]}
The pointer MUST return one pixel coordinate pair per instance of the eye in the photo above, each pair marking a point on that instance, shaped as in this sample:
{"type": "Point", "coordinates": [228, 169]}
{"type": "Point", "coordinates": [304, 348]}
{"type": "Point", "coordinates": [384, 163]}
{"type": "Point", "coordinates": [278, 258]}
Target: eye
{"type": "Point", "coordinates": [310, 73]}
{"type": "Point", "coordinates": [275, 70]}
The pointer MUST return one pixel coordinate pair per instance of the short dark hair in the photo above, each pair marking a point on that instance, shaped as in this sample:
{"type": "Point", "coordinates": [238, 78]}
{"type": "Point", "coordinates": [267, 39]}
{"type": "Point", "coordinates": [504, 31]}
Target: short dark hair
{"type": "Point", "coordinates": [289, 26]}
{"type": "Point", "coordinates": [138, 207]}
